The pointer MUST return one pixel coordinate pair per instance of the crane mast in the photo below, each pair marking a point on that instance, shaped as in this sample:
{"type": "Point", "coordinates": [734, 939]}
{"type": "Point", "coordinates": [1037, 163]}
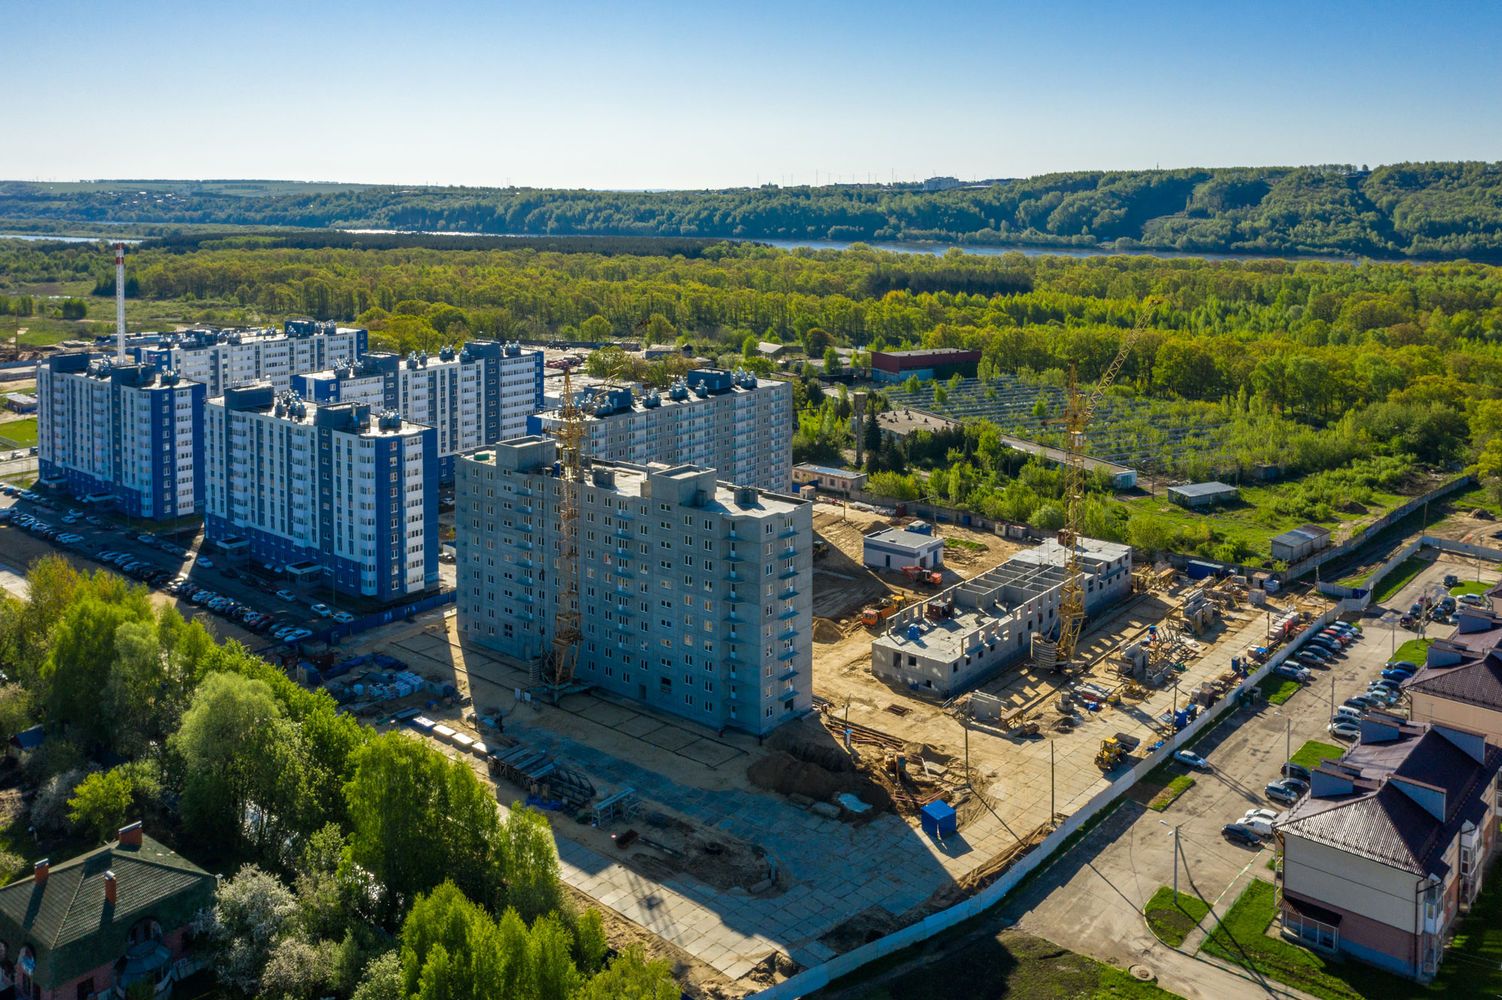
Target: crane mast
{"type": "Point", "coordinates": [566, 631]}
{"type": "Point", "coordinates": [1079, 408]}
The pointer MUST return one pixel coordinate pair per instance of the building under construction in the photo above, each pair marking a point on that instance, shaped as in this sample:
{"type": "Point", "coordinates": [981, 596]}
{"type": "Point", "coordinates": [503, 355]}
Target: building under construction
{"type": "Point", "coordinates": [966, 634]}
{"type": "Point", "coordinates": [693, 596]}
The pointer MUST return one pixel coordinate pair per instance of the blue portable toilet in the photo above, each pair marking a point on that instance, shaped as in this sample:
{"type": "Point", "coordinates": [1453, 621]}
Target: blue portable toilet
{"type": "Point", "coordinates": [914, 631]}
{"type": "Point", "coordinates": [938, 819]}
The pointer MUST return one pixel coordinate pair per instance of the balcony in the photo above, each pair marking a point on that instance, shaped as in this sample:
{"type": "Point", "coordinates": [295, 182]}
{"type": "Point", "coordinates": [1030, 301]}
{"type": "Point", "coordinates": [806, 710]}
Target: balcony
{"type": "Point", "coordinates": [621, 588]}
{"type": "Point", "coordinates": [733, 636]}
{"type": "Point", "coordinates": [788, 634]}
{"type": "Point", "coordinates": [623, 553]}
{"type": "Point", "coordinates": [788, 553]}
{"type": "Point", "coordinates": [735, 536]}
{"type": "Point", "coordinates": [523, 491]}
{"type": "Point", "coordinates": [525, 580]}
{"type": "Point", "coordinates": [527, 599]}
{"type": "Point", "coordinates": [733, 617]}
{"type": "Point", "coordinates": [734, 577]}
{"type": "Point", "coordinates": [622, 571]}
{"type": "Point", "coordinates": [524, 508]}
{"type": "Point", "coordinates": [525, 563]}
{"type": "Point", "coordinates": [622, 533]}
{"type": "Point", "coordinates": [787, 574]}
{"type": "Point", "coordinates": [788, 615]}
{"type": "Point", "coordinates": [788, 533]}
{"type": "Point", "coordinates": [788, 674]}
{"type": "Point", "coordinates": [524, 544]}
{"type": "Point", "coordinates": [732, 558]}
{"type": "Point", "coordinates": [788, 594]}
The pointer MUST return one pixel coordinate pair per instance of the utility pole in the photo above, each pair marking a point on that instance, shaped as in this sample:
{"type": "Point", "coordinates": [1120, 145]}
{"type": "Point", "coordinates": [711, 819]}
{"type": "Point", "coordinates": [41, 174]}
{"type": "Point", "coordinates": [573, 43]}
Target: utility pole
{"type": "Point", "coordinates": [1053, 809]}
{"type": "Point", "coordinates": [1175, 863]}
{"type": "Point", "coordinates": [1288, 738]}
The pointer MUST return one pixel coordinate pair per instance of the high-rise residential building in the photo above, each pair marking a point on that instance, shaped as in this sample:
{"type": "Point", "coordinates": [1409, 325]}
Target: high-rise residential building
{"type": "Point", "coordinates": [695, 595]}
{"type": "Point", "coordinates": [224, 359]}
{"type": "Point", "coordinates": [331, 493]}
{"type": "Point", "coordinates": [123, 434]}
{"type": "Point", "coordinates": [733, 422]}
{"type": "Point", "coordinates": [477, 395]}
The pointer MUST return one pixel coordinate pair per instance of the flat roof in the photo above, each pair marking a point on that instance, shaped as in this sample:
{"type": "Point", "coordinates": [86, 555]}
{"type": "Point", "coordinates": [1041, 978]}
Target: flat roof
{"type": "Point", "coordinates": [1202, 489]}
{"type": "Point", "coordinates": [1060, 456]}
{"type": "Point", "coordinates": [828, 470]}
{"type": "Point", "coordinates": [665, 401]}
{"type": "Point", "coordinates": [908, 420]}
{"type": "Point", "coordinates": [902, 538]}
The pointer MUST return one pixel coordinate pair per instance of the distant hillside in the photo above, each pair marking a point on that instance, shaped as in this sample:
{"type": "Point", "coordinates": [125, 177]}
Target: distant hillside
{"type": "Point", "coordinates": [1418, 210]}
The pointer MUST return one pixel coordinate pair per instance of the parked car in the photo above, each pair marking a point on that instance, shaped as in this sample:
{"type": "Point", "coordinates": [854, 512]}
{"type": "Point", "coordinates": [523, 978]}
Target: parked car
{"type": "Point", "coordinates": [1395, 675]}
{"type": "Point", "coordinates": [1191, 759]}
{"type": "Point", "coordinates": [1386, 684]}
{"type": "Point", "coordinates": [1451, 580]}
{"type": "Point", "coordinates": [1362, 701]}
{"type": "Point", "coordinates": [1345, 731]}
{"type": "Point", "coordinates": [205, 562]}
{"type": "Point", "coordinates": [1260, 825]}
{"type": "Point", "coordinates": [1293, 672]}
{"type": "Point", "coordinates": [1474, 600]}
{"type": "Point", "coordinates": [1241, 833]}
{"type": "Point", "coordinates": [322, 610]}
{"type": "Point", "coordinates": [1278, 791]}
{"type": "Point", "coordinates": [286, 595]}
{"type": "Point", "coordinates": [342, 617]}
{"type": "Point", "coordinates": [1292, 770]}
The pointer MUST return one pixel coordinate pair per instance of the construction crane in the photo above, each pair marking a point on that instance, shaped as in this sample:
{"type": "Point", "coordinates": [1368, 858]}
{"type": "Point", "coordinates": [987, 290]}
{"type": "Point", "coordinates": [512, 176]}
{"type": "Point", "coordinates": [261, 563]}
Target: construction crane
{"type": "Point", "coordinates": [1079, 408]}
{"type": "Point", "coordinates": [566, 631]}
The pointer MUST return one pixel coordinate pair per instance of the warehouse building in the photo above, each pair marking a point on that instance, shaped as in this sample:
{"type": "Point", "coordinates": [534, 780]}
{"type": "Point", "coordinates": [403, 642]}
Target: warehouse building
{"type": "Point", "coordinates": [223, 359]}
{"type": "Point", "coordinates": [696, 594]}
{"type": "Point", "coordinates": [121, 434]}
{"type": "Point", "coordinates": [933, 363]}
{"type": "Point", "coordinates": [474, 396]}
{"type": "Point", "coordinates": [966, 634]}
{"type": "Point", "coordinates": [899, 425]}
{"type": "Point", "coordinates": [1201, 496]}
{"type": "Point", "coordinates": [730, 421]}
{"type": "Point", "coordinates": [330, 492]}
{"type": "Point", "coordinates": [1296, 543]}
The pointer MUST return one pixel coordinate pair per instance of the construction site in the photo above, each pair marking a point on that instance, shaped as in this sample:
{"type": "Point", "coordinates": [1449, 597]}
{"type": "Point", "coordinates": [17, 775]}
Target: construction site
{"type": "Point", "coordinates": [745, 857]}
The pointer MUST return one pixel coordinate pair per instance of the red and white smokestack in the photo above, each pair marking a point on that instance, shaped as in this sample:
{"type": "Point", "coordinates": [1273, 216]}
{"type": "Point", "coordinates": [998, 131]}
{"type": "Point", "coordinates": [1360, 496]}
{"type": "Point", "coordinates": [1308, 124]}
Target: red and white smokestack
{"type": "Point", "coordinates": [120, 302]}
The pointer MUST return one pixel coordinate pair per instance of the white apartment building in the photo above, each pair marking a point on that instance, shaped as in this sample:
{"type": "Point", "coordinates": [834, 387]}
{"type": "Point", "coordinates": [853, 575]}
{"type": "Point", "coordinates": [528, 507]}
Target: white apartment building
{"type": "Point", "coordinates": [477, 395]}
{"type": "Point", "coordinates": [224, 359]}
{"type": "Point", "coordinates": [733, 422]}
{"type": "Point", "coordinates": [126, 435]}
{"type": "Point", "coordinates": [696, 595]}
{"type": "Point", "coordinates": [329, 492]}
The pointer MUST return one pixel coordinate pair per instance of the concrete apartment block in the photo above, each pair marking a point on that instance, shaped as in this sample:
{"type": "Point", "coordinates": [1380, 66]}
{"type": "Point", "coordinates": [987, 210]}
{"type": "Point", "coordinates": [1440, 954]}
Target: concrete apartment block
{"type": "Point", "coordinates": [696, 594]}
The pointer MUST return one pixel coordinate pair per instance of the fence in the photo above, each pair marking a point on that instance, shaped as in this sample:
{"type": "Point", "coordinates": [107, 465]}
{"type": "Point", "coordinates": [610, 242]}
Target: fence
{"type": "Point", "coordinates": [1364, 592]}
{"type": "Point", "coordinates": [821, 976]}
{"type": "Point", "coordinates": [379, 618]}
{"type": "Point", "coordinates": [1359, 539]}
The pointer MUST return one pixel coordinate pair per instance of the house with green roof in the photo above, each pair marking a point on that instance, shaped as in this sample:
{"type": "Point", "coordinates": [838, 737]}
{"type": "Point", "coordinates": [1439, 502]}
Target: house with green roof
{"type": "Point", "coordinates": [102, 922]}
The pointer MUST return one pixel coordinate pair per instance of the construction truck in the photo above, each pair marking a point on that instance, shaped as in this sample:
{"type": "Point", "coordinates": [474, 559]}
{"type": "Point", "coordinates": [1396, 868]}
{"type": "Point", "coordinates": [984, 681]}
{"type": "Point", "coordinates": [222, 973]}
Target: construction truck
{"type": "Point", "coordinates": [874, 616]}
{"type": "Point", "coordinates": [1110, 753]}
{"type": "Point", "coordinates": [926, 577]}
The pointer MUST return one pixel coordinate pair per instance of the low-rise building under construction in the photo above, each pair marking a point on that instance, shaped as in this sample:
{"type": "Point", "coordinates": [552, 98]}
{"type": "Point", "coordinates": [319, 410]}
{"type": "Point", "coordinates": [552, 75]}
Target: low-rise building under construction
{"type": "Point", "coordinates": [966, 634]}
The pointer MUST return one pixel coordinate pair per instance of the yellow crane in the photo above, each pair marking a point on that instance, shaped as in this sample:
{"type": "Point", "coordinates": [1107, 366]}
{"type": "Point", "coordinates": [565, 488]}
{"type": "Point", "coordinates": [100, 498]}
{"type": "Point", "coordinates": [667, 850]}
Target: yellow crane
{"type": "Point", "coordinates": [1078, 409]}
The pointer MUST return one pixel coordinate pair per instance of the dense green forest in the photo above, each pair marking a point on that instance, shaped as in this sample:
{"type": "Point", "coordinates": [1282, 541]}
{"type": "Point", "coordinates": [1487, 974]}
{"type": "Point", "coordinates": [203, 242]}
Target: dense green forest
{"type": "Point", "coordinates": [1417, 210]}
{"type": "Point", "coordinates": [1355, 380]}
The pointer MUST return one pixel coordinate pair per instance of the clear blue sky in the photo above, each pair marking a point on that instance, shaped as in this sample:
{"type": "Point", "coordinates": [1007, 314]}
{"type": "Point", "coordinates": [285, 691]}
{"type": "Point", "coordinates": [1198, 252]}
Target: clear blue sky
{"type": "Point", "coordinates": [649, 94]}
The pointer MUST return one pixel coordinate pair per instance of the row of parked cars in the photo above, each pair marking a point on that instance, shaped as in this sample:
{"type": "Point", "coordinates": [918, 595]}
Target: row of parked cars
{"type": "Point", "coordinates": [255, 621]}
{"type": "Point", "coordinates": [34, 525]}
{"type": "Point", "coordinates": [1256, 824]}
{"type": "Point", "coordinates": [1382, 692]}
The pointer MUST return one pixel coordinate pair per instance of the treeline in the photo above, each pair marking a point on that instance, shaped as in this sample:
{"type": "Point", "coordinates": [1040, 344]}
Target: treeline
{"type": "Point", "coordinates": [368, 866]}
{"type": "Point", "coordinates": [1420, 210]}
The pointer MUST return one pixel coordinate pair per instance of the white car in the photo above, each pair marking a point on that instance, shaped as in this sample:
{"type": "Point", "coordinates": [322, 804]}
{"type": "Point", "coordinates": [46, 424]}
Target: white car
{"type": "Point", "coordinates": [1260, 825]}
{"type": "Point", "coordinates": [205, 562]}
{"type": "Point", "coordinates": [286, 595]}
{"type": "Point", "coordinates": [322, 610]}
{"type": "Point", "coordinates": [342, 617]}
{"type": "Point", "coordinates": [1267, 814]}
{"type": "Point", "coordinates": [1345, 731]}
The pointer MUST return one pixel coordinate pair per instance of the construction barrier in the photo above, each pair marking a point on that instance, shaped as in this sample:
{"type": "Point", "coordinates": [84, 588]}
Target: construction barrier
{"type": "Point", "coordinates": [820, 976]}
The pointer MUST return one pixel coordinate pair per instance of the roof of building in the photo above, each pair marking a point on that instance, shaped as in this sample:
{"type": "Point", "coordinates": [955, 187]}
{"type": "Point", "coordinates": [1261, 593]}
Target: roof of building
{"type": "Point", "coordinates": [903, 539]}
{"type": "Point", "coordinates": [828, 470]}
{"type": "Point", "coordinates": [72, 925]}
{"type": "Point", "coordinates": [1059, 456]}
{"type": "Point", "coordinates": [1377, 819]}
{"type": "Point", "coordinates": [22, 398]}
{"type": "Point", "coordinates": [680, 395]}
{"type": "Point", "coordinates": [907, 421]}
{"type": "Point", "coordinates": [1473, 682]}
{"type": "Point", "coordinates": [1303, 533]}
{"type": "Point", "coordinates": [1050, 553]}
{"type": "Point", "coordinates": [930, 352]}
{"type": "Point", "coordinates": [1202, 489]}
{"type": "Point", "coordinates": [29, 739]}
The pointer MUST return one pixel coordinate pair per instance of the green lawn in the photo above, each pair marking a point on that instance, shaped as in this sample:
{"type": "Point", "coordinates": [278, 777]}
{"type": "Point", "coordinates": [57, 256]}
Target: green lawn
{"type": "Point", "coordinates": [18, 433]}
{"type": "Point", "coordinates": [1470, 587]}
{"type": "Point", "coordinates": [1398, 578]}
{"type": "Point", "coordinates": [1472, 965]}
{"type": "Point", "coordinates": [1312, 753]}
{"type": "Point", "coordinates": [1171, 792]}
{"type": "Point", "coordinates": [1172, 917]}
{"type": "Point", "coordinates": [1414, 651]}
{"type": "Point", "coordinates": [1277, 689]}
{"type": "Point", "coordinates": [1241, 938]}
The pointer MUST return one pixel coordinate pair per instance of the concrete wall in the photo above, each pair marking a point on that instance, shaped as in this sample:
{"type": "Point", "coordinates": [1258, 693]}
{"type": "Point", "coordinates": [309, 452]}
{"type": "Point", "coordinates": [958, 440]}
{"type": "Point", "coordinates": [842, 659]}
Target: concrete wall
{"type": "Point", "coordinates": [1356, 541]}
{"type": "Point", "coordinates": [935, 924]}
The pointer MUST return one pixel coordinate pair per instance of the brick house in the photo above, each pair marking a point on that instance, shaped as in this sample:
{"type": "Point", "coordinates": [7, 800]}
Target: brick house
{"type": "Point", "coordinates": [101, 922]}
{"type": "Point", "coordinates": [1391, 844]}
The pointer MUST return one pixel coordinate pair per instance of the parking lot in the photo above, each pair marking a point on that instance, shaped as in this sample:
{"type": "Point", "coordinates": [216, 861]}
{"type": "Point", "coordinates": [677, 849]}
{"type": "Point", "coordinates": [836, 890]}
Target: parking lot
{"type": "Point", "coordinates": [173, 563]}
